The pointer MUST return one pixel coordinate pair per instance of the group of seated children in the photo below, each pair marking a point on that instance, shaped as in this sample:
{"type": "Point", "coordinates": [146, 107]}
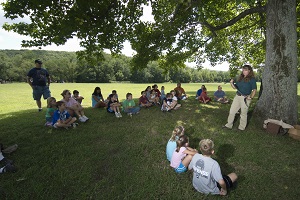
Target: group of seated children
{"type": "Point", "coordinates": [170, 102]}
{"type": "Point", "coordinates": [219, 95]}
{"type": "Point", "coordinates": [153, 96]}
{"type": "Point", "coordinates": [60, 114]}
{"type": "Point", "coordinates": [207, 177]}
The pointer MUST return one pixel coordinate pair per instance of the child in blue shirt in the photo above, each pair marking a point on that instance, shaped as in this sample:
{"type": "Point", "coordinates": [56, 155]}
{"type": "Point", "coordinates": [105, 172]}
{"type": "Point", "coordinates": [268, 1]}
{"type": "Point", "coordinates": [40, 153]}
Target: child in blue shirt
{"type": "Point", "coordinates": [61, 117]}
{"type": "Point", "coordinates": [171, 145]}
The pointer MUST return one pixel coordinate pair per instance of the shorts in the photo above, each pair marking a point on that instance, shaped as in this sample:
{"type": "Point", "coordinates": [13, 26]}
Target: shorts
{"type": "Point", "coordinates": [38, 91]}
{"type": "Point", "coordinates": [110, 110]}
{"type": "Point", "coordinates": [227, 181]}
{"type": "Point", "coordinates": [181, 168]}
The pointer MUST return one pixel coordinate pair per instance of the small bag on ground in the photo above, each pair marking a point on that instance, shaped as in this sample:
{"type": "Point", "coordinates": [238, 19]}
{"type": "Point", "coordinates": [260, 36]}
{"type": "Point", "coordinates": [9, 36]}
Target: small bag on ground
{"type": "Point", "coordinates": [275, 129]}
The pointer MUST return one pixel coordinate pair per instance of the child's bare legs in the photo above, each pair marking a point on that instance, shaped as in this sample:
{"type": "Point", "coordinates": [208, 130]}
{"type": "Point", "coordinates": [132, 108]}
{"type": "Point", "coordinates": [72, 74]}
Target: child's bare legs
{"type": "Point", "coordinates": [177, 106]}
{"type": "Point", "coordinates": [233, 177]}
{"type": "Point", "coordinates": [186, 161]}
{"type": "Point", "coordinates": [67, 123]}
{"type": "Point", "coordinates": [75, 110]}
{"type": "Point", "coordinates": [100, 104]}
{"type": "Point", "coordinates": [70, 121]}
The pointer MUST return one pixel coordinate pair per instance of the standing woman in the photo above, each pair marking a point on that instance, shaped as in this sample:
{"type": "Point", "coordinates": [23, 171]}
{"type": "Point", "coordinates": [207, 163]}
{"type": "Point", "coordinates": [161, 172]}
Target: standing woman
{"type": "Point", "coordinates": [97, 98]}
{"type": "Point", "coordinates": [246, 89]}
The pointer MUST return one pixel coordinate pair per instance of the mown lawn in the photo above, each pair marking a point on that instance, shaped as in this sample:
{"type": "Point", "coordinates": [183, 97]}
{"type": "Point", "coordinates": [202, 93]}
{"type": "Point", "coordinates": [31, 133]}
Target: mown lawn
{"type": "Point", "coordinates": [110, 158]}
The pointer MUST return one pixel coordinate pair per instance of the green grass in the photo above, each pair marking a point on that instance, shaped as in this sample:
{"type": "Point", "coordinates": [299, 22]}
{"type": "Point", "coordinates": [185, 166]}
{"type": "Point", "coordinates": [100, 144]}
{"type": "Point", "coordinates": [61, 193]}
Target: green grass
{"type": "Point", "coordinates": [110, 158]}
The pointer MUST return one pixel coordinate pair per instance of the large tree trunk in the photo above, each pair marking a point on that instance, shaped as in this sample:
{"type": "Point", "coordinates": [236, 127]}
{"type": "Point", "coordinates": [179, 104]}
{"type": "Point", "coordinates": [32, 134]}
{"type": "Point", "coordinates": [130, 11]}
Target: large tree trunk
{"type": "Point", "coordinates": [279, 78]}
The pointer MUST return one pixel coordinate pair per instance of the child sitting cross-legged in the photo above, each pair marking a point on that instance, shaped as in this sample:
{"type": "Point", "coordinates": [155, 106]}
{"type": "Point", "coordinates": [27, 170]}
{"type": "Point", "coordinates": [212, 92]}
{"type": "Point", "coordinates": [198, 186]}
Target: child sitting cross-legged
{"type": "Point", "coordinates": [129, 105]}
{"type": "Point", "coordinates": [143, 101]}
{"type": "Point", "coordinates": [182, 155]}
{"type": "Point", "coordinates": [207, 177]}
{"type": "Point", "coordinates": [171, 145]}
{"type": "Point", "coordinates": [73, 106]}
{"type": "Point", "coordinates": [113, 106]}
{"type": "Point", "coordinates": [61, 117]}
{"type": "Point", "coordinates": [167, 102]}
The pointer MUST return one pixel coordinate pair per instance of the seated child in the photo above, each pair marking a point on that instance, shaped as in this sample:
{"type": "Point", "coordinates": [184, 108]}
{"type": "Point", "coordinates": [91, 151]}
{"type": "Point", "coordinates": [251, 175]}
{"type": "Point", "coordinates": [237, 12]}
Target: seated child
{"type": "Point", "coordinates": [207, 177]}
{"type": "Point", "coordinates": [77, 97]}
{"type": "Point", "coordinates": [171, 145]}
{"type": "Point", "coordinates": [155, 88]}
{"type": "Point", "coordinates": [61, 117]}
{"type": "Point", "coordinates": [115, 93]}
{"type": "Point", "coordinates": [182, 155]}
{"type": "Point", "coordinates": [129, 105]}
{"type": "Point", "coordinates": [113, 106]}
{"type": "Point", "coordinates": [153, 98]}
{"type": "Point", "coordinates": [143, 101]}
{"type": "Point", "coordinates": [167, 102]}
{"type": "Point", "coordinates": [73, 106]}
{"type": "Point", "coordinates": [220, 95]}
{"type": "Point", "coordinates": [203, 98]}
{"type": "Point", "coordinates": [198, 93]}
{"type": "Point", "coordinates": [6, 164]}
{"type": "Point", "coordinates": [97, 98]}
{"type": "Point", "coordinates": [51, 107]}
{"type": "Point", "coordinates": [175, 105]}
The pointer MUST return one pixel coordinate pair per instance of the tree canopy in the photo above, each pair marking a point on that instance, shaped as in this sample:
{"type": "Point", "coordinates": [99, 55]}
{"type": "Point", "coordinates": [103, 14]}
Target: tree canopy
{"type": "Point", "coordinates": [217, 31]}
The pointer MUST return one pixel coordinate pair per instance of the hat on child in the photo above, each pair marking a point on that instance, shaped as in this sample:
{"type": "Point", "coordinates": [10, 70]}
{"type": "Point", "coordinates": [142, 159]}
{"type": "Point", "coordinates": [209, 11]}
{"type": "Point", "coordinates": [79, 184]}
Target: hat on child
{"type": "Point", "coordinates": [38, 61]}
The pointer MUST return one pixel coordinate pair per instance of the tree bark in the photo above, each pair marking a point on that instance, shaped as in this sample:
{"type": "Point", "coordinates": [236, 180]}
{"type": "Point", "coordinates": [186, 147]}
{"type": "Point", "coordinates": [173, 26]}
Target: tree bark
{"type": "Point", "coordinates": [279, 78]}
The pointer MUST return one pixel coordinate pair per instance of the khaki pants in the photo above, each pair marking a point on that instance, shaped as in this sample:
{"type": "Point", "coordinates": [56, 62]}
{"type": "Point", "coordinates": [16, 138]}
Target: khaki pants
{"type": "Point", "coordinates": [238, 103]}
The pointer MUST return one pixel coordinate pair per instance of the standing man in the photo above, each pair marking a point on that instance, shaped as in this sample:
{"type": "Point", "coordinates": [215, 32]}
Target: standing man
{"type": "Point", "coordinates": [36, 78]}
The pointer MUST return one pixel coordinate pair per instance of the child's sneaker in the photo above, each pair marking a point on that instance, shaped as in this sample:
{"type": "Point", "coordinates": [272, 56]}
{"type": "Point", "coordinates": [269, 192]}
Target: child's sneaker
{"type": "Point", "coordinates": [82, 119]}
{"type": "Point", "coordinates": [129, 114]}
{"type": "Point", "coordinates": [117, 114]}
{"type": "Point", "coordinates": [48, 124]}
{"type": "Point", "coordinates": [74, 125]}
{"type": "Point", "coordinates": [55, 126]}
{"type": "Point", "coordinates": [40, 109]}
{"type": "Point", "coordinates": [9, 168]}
{"type": "Point", "coordinates": [85, 117]}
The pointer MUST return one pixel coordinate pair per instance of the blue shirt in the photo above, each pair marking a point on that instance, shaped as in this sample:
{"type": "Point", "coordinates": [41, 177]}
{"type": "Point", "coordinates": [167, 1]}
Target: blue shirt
{"type": "Point", "coordinates": [63, 116]}
{"type": "Point", "coordinates": [219, 94]}
{"type": "Point", "coordinates": [245, 88]}
{"type": "Point", "coordinates": [171, 146]}
{"type": "Point", "coordinates": [199, 92]}
{"type": "Point", "coordinates": [39, 76]}
{"type": "Point", "coordinates": [94, 102]}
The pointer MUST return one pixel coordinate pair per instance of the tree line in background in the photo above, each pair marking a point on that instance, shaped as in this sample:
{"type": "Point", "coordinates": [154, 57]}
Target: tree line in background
{"type": "Point", "coordinates": [65, 67]}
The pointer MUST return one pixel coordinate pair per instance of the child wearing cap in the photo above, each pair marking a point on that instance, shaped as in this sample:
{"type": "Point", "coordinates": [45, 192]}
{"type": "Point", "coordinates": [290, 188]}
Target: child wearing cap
{"type": "Point", "coordinates": [207, 177]}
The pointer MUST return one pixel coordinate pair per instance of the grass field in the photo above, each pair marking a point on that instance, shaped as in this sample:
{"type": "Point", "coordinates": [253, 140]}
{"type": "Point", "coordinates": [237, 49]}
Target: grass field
{"type": "Point", "coordinates": [110, 158]}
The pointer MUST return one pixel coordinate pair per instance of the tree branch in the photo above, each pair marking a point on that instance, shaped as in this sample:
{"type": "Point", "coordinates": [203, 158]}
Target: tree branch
{"type": "Point", "coordinates": [258, 9]}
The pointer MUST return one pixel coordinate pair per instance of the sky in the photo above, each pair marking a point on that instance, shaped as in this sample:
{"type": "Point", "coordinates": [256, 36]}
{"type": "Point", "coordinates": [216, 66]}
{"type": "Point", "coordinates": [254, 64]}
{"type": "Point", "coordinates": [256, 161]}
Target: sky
{"type": "Point", "coordinates": [11, 40]}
